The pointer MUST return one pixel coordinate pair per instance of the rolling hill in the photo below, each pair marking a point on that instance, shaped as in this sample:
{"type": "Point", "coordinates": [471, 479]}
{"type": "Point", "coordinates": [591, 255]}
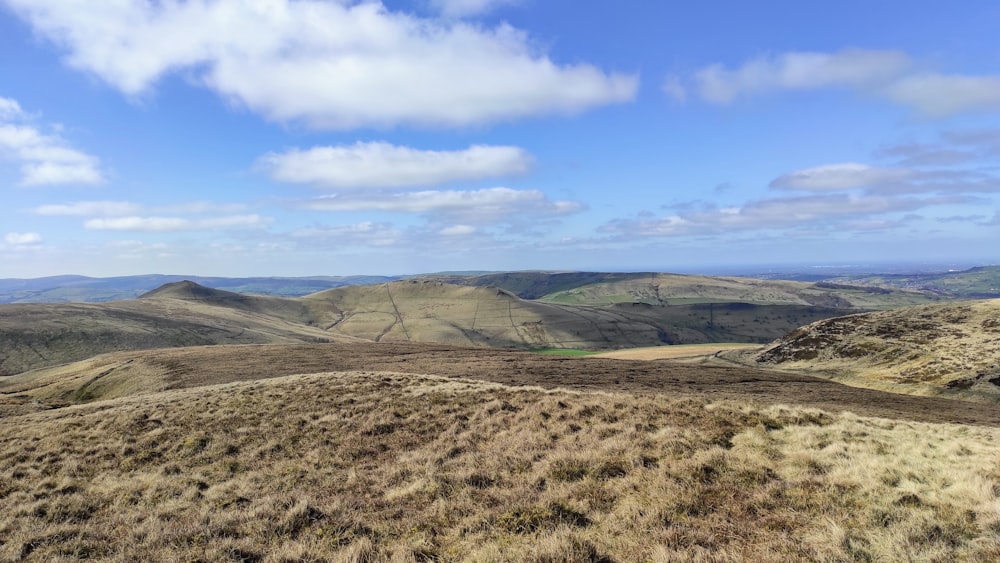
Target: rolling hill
{"type": "Point", "coordinates": [611, 315]}
{"type": "Point", "coordinates": [981, 282]}
{"type": "Point", "coordinates": [926, 349]}
{"type": "Point", "coordinates": [83, 289]}
{"type": "Point", "coordinates": [180, 314]}
{"type": "Point", "coordinates": [431, 311]}
{"type": "Point", "coordinates": [674, 289]}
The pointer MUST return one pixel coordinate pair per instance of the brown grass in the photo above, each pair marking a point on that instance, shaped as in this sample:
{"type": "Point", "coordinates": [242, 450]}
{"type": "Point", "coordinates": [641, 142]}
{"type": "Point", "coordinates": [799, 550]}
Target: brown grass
{"type": "Point", "coordinates": [951, 348]}
{"type": "Point", "coordinates": [378, 466]}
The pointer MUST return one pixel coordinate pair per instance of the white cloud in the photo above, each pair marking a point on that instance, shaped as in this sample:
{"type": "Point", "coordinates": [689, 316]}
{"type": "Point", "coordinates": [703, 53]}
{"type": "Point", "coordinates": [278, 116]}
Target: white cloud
{"type": "Point", "coordinates": [383, 165]}
{"type": "Point", "coordinates": [822, 213]}
{"type": "Point", "coordinates": [22, 239]}
{"type": "Point", "coordinates": [457, 231]}
{"type": "Point", "coordinates": [163, 224]}
{"type": "Point", "coordinates": [467, 8]}
{"type": "Point", "coordinates": [480, 206]}
{"type": "Point", "coordinates": [10, 109]}
{"type": "Point", "coordinates": [854, 68]}
{"type": "Point", "coordinates": [90, 208]}
{"type": "Point", "coordinates": [45, 159]}
{"type": "Point", "coordinates": [838, 177]}
{"type": "Point", "coordinates": [884, 74]}
{"type": "Point", "coordinates": [940, 95]}
{"type": "Point", "coordinates": [851, 176]}
{"type": "Point", "coordinates": [336, 65]}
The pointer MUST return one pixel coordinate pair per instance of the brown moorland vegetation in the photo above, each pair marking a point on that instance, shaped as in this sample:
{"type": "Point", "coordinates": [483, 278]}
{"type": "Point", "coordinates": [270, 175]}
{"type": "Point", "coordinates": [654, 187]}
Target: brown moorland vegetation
{"type": "Point", "coordinates": [931, 349]}
{"type": "Point", "coordinates": [140, 372]}
{"type": "Point", "coordinates": [379, 466]}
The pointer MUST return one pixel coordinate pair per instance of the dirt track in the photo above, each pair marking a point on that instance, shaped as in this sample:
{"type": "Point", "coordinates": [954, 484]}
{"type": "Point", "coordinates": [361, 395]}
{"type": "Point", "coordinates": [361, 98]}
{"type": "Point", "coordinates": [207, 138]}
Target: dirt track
{"type": "Point", "coordinates": [207, 365]}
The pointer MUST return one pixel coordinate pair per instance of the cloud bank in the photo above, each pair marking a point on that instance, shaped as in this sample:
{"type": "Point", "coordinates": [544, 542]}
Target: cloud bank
{"type": "Point", "coordinates": [486, 206]}
{"type": "Point", "coordinates": [45, 159]}
{"type": "Point", "coordinates": [330, 65]}
{"type": "Point", "coordinates": [890, 75]}
{"type": "Point", "coordinates": [383, 165]}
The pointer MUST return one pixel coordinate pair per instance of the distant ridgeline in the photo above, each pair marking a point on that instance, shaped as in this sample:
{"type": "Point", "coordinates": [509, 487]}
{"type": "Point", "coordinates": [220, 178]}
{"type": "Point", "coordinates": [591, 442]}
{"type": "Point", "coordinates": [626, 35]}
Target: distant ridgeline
{"type": "Point", "coordinates": [569, 310]}
{"type": "Point", "coordinates": [63, 289]}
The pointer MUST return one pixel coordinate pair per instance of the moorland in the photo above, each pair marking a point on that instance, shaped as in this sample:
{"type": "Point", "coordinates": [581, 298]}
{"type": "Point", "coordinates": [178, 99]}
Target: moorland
{"type": "Point", "coordinates": [670, 418]}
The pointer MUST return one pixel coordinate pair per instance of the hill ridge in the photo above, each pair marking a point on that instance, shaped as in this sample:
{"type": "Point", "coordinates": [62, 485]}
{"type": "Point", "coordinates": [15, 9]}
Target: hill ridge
{"type": "Point", "coordinates": [187, 289]}
{"type": "Point", "coordinates": [954, 345]}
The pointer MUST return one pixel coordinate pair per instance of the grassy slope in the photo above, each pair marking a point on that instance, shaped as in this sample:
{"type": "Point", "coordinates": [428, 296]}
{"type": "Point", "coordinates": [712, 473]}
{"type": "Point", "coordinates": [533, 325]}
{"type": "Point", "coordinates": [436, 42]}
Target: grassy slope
{"type": "Point", "coordinates": [981, 282]}
{"type": "Point", "coordinates": [534, 285]}
{"type": "Point", "coordinates": [441, 312]}
{"type": "Point", "coordinates": [922, 349]}
{"type": "Point", "coordinates": [48, 334]}
{"type": "Point", "coordinates": [185, 314]}
{"type": "Point", "coordinates": [367, 466]}
{"type": "Point", "coordinates": [660, 289]}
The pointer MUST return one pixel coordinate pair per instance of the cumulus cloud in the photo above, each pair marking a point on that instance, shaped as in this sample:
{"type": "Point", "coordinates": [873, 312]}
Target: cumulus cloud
{"type": "Point", "coordinates": [166, 224]}
{"type": "Point", "coordinates": [90, 208]}
{"type": "Point", "coordinates": [839, 177]}
{"type": "Point", "coordinates": [383, 165]}
{"type": "Point", "coordinates": [457, 231]}
{"type": "Point", "coordinates": [891, 75]}
{"type": "Point", "coordinates": [939, 95]}
{"type": "Point", "coordinates": [853, 176]}
{"type": "Point", "coordinates": [467, 8]}
{"type": "Point", "coordinates": [921, 155]}
{"type": "Point", "coordinates": [334, 65]}
{"type": "Point", "coordinates": [828, 212]}
{"type": "Point", "coordinates": [10, 109]}
{"type": "Point", "coordinates": [852, 68]}
{"type": "Point", "coordinates": [45, 159]}
{"type": "Point", "coordinates": [22, 239]}
{"type": "Point", "coordinates": [490, 205]}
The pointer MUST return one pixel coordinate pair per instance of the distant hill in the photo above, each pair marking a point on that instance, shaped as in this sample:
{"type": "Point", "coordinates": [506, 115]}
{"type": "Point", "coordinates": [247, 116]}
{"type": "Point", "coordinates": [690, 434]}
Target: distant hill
{"type": "Point", "coordinates": [81, 289]}
{"type": "Point", "coordinates": [585, 288]}
{"type": "Point", "coordinates": [677, 289]}
{"type": "Point", "coordinates": [44, 334]}
{"type": "Point", "coordinates": [188, 314]}
{"type": "Point", "coordinates": [434, 311]}
{"type": "Point", "coordinates": [537, 284]}
{"type": "Point", "coordinates": [975, 283]}
{"type": "Point", "coordinates": [926, 349]}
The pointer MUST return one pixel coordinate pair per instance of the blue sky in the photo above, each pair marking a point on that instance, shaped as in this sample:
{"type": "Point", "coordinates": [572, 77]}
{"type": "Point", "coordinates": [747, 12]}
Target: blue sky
{"type": "Point", "coordinates": [284, 137]}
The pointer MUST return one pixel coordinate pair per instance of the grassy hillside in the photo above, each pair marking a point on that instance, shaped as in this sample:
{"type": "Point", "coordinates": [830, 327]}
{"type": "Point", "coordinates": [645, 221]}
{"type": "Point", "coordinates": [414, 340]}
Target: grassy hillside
{"type": "Point", "coordinates": [430, 311]}
{"type": "Point", "coordinates": [923, 349]}
{"type": "Point", "coordinates": [675, 289]}
{"type": "Point", "coordinates": [380, 466]}
{"type": "Point", "coordinates": [629, 313]}
{"type": "Point", "coordinates": [35, 335]}
{"type": "Point", "coordinates": [534, 285]}
{"type": "Point", "coordinates": [981, 282]}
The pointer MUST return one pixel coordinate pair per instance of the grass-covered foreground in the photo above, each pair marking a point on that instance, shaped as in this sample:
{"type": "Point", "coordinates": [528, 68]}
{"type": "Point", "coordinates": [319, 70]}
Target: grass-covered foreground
{"type": "Point", "coordinates": [365, 466]}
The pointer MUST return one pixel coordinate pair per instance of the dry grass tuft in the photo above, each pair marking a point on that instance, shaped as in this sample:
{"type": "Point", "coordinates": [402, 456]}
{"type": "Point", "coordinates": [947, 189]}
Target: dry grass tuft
{"type": "Point", "coordinates": [378, 466]}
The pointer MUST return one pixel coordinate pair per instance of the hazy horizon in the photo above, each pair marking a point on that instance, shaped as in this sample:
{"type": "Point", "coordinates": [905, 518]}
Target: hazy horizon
{"type": "Point", "coordinates": [831, 269]}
